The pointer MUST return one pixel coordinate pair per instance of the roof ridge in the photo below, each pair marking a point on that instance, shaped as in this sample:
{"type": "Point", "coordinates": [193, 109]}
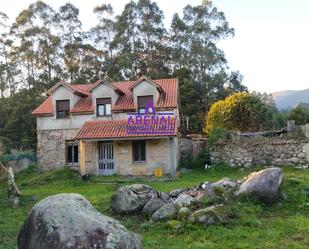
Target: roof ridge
{"type": "Point", "coordinates": [107, 120]}
{"type": "Point", "coordinates": [125, 102]}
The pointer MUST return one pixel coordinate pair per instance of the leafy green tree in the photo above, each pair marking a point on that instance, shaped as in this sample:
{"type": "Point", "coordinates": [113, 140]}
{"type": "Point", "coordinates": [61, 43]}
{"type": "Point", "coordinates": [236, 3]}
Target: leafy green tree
{"type": "Point", "coordinates": [103, 35]}
{"type": "Point", "coordinates": [193, 42]}
{"type": "Point", "coordinates": [140, 39]}
{"type": "Point", "coordinates": [72, 37]}
{"type": "Point", "coordinates": [36, 48]}
{"type": "Point", "coordinates": [242, 112]}
{"type": "Point", "coordinates": [300, 114]}
{"type": "Point", "coordinates": [20, 126]}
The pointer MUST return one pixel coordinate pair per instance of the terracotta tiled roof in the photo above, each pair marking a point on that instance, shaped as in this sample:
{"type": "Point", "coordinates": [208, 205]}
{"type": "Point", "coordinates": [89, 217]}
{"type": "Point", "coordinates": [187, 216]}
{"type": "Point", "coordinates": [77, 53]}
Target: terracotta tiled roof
{"type": "Point", "coordinates": [107, 83]}
{"type": "Point", "coordinates": [83, 105]}
{"type": "Point", "coordinates": [125, 102]}
{"type": "Point", "coordinates": [108, 129]}
{"type": "Point", "coordinates": [45, 108]}
{"type": "Point", "coordinates": [167, 100]}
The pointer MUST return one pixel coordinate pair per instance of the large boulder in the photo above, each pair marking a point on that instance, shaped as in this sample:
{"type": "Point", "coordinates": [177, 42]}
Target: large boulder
{"type": "Point", "coordinates": [209, 216]}
{"type": "Point", "coordinates": [131, 198]}
{"type": "Point", "coordinates": [166, 212]}
{"type": "Point", "coordinates": [69, 221]}
{"type": "Point", "coordinates": [264, 185]}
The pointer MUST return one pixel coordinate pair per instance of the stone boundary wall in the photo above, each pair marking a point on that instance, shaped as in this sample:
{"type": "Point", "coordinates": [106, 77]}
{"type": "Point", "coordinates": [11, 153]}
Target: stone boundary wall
{"type": "Point", "coordinates": [17, 166]}
{"type": "Point", "coordinates": [267, 151]}
{"type": "Point", "coordinates": [190, 148]}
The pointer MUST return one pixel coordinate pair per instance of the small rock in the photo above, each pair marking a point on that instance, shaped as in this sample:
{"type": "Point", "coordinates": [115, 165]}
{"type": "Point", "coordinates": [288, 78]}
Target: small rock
{"type": "Point", "coordinates": [34, 198]}
{"type": "Point", "coordinates": [175, 224]}
{"type": "Point", "coordinates": [209, 216]}
{"type": "Point", "coordinates": [185, 171]}
{"type": "Point", "coordinates": [174, 193]}
{"type": "Point", "coordinates": [152, 206]}
{"type": "Point", "coordinates": [166, 212]}
{"type": "Point", "coordinates": [184, 200]}
{"type": "Point", "coordinates": [225, 183]}
{"type": "Point", "coordinates": [164, 196]}
{"type": "Point", "coordinates": [183, 214]}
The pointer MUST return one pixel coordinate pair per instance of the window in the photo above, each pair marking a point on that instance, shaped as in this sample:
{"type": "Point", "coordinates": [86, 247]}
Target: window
{"type": "Point", "coordinates": [104, 107]}
{"type": "Point", "coordinates": [72, 153]}
{"type": "Point", "coordinates": [63, 108]}
{"type": "Point", "coordinates": [139, 151]}
{"type": "Point", "coordinates": [142, 102]}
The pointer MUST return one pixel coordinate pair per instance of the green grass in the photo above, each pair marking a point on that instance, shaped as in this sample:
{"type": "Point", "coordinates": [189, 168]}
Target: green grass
{"type": "Point", "coordinates": [252, 224]}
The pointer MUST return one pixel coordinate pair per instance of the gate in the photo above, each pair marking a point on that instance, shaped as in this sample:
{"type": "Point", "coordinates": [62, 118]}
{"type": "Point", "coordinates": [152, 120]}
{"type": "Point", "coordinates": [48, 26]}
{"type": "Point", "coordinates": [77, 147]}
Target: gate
{"type": "Point", "coordinates": [106, 159]}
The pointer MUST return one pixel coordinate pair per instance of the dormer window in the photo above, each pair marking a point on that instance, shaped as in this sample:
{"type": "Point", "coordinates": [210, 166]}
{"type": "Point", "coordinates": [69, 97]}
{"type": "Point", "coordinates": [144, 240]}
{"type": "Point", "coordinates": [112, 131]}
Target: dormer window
{"type": "Point", "coordinates": [142, 102]}
{"type": "Point", "coordinates": [62, 109]}
{"type": "Point", "coordinates": [104, 107]}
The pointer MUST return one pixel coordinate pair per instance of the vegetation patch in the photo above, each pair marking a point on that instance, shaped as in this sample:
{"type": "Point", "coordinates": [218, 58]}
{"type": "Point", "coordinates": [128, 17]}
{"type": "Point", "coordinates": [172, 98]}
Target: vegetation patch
{"type": "Point", "coordinates": [252, 224]}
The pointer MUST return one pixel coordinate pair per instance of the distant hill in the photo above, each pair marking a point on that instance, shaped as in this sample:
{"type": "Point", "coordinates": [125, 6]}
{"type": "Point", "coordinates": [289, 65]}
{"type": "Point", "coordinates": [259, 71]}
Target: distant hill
{"type": "Point", "coordinates": [290, 98]}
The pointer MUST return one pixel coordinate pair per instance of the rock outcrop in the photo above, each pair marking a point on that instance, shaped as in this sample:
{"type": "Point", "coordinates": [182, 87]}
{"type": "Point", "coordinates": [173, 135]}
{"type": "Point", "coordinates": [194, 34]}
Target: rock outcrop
{"type": "Point", "coordinates": [264, 185]}
{"type": "Point", "coordinates": [131, 199]}
{"type": "Point", "coordinates": [69, 221]}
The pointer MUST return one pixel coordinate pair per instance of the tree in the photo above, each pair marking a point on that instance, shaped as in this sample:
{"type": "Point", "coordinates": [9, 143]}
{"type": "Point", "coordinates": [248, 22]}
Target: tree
{"type": "Point", "coordinates": [300, 114]}
{"type": "Point", "coordinates": [72, 36]}
{"type": "Point", "coordinates": [103, 35]}
{"type": "Point", "coordinates": [193, 41]}
{"type": "Point", "coordinates": [35, 47]}
{"type": "Point", "coordinates": [7, 66]}
{"type": "Point", "coordinates": [141, 41]}
{"type": "Point", "coordinates": [242, 112]}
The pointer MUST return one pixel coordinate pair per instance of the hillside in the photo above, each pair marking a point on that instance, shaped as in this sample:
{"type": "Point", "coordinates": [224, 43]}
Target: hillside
{"type": "Point", "coordinates": [290, 98]}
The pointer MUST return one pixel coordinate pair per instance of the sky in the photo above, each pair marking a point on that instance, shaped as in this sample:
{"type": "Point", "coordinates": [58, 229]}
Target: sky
{"type": "Point", "coordinates": [271, 43]}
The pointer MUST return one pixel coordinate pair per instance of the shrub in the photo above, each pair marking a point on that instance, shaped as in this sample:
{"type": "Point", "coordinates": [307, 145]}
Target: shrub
{"type": "Point", "coordinates": [240, 112]}
{"type": "Point", "coordinates": [216, 134]}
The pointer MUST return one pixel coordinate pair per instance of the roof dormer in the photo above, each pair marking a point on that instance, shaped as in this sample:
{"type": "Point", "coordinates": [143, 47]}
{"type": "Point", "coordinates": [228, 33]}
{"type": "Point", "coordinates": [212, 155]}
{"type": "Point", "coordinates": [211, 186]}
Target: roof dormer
{"type": "Point", "coordinates": [65, 92]}
{"type": "Point", "coordinates": [69, 87]}
{"type": "Point", "coordinates": [102, 90]}
{"type": "Point", "coordinates": [146, 87]}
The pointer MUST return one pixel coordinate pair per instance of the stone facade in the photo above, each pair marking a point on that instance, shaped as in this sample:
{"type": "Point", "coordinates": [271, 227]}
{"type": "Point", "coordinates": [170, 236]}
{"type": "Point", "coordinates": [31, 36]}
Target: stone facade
{"type": "Point", "coordinates": [267, 151]}
{"type": "Point", "coordinates": [157, 156]}
{"type": "Point", "coordinates": [51, 150]}
{"type": "Point", "coordinates": [51, 154]}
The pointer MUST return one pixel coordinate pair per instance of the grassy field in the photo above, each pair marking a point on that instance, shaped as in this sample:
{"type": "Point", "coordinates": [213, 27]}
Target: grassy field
{"type": "Point", "coordinates": [252, 225]}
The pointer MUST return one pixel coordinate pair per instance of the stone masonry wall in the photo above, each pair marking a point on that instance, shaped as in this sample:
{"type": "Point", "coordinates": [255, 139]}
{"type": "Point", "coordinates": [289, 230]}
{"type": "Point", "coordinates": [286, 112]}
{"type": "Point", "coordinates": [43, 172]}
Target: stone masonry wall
{"type": "Point", "coordinates": [270, 151]}
{"type": "Point", "coordinates": [51, 150]}
{"type": "Point", "coordinates": [157, 155]}
{"type": "Point", "coordinates": [190, 149]}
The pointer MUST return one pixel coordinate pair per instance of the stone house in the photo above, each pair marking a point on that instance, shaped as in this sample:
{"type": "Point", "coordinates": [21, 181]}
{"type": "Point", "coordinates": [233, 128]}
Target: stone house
{"type": "Point", "coordinates": [104, 128]}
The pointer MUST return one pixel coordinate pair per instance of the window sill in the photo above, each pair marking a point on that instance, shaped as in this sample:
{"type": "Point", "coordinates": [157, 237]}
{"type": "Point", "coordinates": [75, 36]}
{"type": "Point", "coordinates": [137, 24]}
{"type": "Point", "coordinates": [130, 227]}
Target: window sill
{"type": "Point", "coordinates": [72, 164]}
{"type": "Point", "coordinates": [139, 162]}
